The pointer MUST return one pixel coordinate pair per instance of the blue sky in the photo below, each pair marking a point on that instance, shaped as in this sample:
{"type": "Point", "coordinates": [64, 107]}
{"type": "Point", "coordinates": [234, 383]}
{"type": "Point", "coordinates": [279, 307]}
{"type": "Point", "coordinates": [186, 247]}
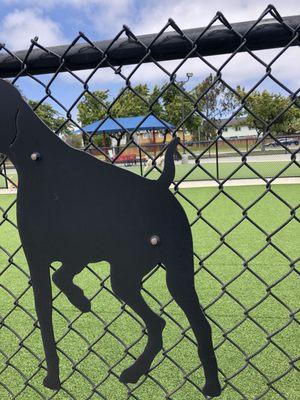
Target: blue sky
{"type": "Point", "coordinates": [58, 22]}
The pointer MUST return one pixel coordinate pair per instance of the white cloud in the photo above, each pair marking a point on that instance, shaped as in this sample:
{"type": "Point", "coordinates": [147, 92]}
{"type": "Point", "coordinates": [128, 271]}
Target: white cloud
{"type": "Point", "coordinates": [153, 14]}
{"type": "Point", "coordinates": [54, 3]}
{"type": "Point", "coordinates": [108, 16]}
{"type": "Point", "coordinates": [149, 16]}
{"type": "Point", "coordinates": [20, 26]}
{"type": "Point", "coordinates": [196, 13]}
{"type": "Point", "coordinates": [104, 16]}
{"type": "Point", "coordinates": [242, 70]}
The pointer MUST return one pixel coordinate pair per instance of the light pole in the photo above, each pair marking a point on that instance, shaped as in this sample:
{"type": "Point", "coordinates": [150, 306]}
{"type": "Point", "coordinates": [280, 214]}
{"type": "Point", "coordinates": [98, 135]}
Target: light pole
{"type": "Point", "coordinates": [182, 83]}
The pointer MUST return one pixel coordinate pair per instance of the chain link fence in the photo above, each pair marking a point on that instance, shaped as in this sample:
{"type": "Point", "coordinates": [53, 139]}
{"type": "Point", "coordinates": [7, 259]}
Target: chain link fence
{"type": "Point", "coordinates": [246, 238]}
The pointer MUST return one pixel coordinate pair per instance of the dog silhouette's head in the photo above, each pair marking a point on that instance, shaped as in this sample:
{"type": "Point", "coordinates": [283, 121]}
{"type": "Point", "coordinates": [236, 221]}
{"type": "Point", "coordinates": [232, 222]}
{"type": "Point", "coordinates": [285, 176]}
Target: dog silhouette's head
{"type": "Point", "coordinates": [10, 103]}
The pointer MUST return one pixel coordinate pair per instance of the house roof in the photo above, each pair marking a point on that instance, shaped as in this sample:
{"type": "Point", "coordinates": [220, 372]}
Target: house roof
{"type": "Point", "coordinates": [139, 123]}
{"type": "Point", "coordinates": [234, 122]}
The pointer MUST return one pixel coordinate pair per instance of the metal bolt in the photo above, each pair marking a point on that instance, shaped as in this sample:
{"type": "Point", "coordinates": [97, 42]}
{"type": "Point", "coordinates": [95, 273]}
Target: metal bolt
{"type": "Point", "coordinates": [154, 240]}
{"type": "Point", "coordinates": [35, 156]}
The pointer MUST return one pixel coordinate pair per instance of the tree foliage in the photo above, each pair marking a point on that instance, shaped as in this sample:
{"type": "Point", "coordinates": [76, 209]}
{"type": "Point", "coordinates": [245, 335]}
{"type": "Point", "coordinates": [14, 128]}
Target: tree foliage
{"type": "Point", "coordinates": [93, 107]}
{"type": "Point", "coordinates": [47, 113]}
{"type": "Point", "coordinates": [202, 108]}
{"type": "Point", "coordinates": [102, 140]}
{"type": "Point", "coordinates": [130, 104]}
{"type": "Point", "coordinates": [167, 102]}
{"type": "Point", "coordinates": [51, 117]}
{"type": "Point", "coordinates": [215, 101]}
{"type": "Point", "coordinates": [177, 107]}
{"type": "Point", "coordinates": [271, 111]}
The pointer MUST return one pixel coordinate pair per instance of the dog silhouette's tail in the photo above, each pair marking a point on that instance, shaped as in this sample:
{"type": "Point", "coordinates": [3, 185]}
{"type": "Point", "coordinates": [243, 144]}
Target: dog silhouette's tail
{"type": "Point", "coordinates": [167, 176]}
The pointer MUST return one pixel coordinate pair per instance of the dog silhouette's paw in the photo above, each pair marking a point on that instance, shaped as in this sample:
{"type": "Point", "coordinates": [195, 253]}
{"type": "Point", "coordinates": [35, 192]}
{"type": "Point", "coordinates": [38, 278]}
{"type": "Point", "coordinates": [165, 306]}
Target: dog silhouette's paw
{"type": "Point", "coordinates": [77, 298]}
{"type": "Point", "coordinates": [83, 304]}
{"type": "Point", "coordinates": [130, 375]}
{"type": "Point", "coordinates": [52, 382]}
{"type": "Point", "coordinates": [212, 390]}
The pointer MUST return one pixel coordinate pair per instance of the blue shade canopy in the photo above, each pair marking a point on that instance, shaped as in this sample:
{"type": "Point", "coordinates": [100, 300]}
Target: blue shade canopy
{"type": "Point", "coordinates": [128, 123]}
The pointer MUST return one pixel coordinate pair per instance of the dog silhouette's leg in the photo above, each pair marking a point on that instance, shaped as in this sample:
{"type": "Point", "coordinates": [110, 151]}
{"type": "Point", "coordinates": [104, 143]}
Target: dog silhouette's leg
{"type": "Point", "coordinates": [63, 279]}
{"type": "Point", "coordinates": [180, 281]}
{"type": "Point", "coordinates": [128, 289]}
{"type": "Point", "coordinates": [41, 283]}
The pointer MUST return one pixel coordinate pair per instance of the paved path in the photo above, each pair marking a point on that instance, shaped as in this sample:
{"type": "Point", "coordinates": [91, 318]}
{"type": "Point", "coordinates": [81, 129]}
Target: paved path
{"type": "Point", "coordinates": [8, 191]}
{"type": "Point", "coordinates": [198, 184]}
{"type": "Point", "coordinates": [238, 182]}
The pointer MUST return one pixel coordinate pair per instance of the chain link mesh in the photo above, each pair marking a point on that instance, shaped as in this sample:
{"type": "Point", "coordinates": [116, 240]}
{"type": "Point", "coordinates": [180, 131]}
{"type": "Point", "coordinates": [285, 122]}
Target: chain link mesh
{"type": "Point", "coordinates": [245, 241]}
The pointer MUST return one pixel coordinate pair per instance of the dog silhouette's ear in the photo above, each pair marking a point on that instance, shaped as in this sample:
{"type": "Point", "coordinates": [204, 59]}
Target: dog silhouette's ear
{"type": "Point", "coordinates": [10, 104]}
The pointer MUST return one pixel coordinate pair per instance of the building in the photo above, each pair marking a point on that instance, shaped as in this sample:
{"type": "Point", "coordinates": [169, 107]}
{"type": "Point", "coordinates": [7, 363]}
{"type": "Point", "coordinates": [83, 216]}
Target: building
{"type": "Point", "coordinates": [145, 138]}
{"type": "Point", "coordinates": [147, 131]}
{"type": "Point", "coordinates": [237, 128]}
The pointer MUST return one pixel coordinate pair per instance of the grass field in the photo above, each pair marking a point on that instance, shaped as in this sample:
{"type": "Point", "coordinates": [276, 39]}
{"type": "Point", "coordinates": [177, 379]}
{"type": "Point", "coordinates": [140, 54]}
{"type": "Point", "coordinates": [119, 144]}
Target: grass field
{"type": "Point", "coordinates": [266, 169]}
{"type": "Point", "coordinates": [222, 270]}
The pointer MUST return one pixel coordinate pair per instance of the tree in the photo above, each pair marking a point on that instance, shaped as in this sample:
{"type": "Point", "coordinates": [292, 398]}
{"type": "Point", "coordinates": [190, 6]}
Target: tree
{"type": "Point", "coordinates": [296, 125]}
{"type": "Point", "coordinates": [102, 140]}
{"type": "Point", "coordinates": [92, 107]}
{"type": "Point", "coordinates": [215, 104]}
{"type": "Point", "coordinates": [267, 109]}
{"type": "Point", "coordinates": [177, 106]}
{"type": "Point", "coordinates": [156, 102]}
{"type": "Point", "coordinates": [130, 104]}
{"type": "Point", "coordinates": [118, 136]}
{"type": "Point", "coordinates": [51, 117]}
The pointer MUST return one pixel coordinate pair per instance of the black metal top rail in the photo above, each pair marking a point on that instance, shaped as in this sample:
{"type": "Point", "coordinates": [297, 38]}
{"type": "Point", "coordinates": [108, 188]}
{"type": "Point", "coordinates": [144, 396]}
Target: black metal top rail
{"type": "Point", "coordinates": [220, 39]}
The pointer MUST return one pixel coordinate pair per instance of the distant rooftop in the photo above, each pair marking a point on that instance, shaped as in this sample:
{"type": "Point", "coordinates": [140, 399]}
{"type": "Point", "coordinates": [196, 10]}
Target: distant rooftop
{"type": "Point", "coordinates": [139, 123]}
{"type": "Point", "coordinates": [234, 122]}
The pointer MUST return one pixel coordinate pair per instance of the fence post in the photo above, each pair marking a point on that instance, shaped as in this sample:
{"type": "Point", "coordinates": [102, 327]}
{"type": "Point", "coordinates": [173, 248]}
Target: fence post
{"type": "Point", "coordinates": [3, 169]}
{"type": "Point", "coordinates": [217, 160]}
{"type": "Point", "coordinates": [5, 175]}
{"type": "Point", "coordinates": [141, 162]}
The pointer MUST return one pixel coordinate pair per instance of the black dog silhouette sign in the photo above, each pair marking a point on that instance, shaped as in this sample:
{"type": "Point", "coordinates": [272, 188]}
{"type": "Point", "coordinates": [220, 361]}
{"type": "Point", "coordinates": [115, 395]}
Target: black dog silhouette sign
{"type": "Point", "coordinates": [54, 181]}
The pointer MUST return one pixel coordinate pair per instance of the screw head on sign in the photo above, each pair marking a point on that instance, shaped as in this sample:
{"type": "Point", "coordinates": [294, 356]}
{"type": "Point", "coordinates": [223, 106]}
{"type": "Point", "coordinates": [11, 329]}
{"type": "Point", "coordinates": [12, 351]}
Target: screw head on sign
{"type": "Point", "coordinates": [35, 156]}
{"type": "Point", "coordinates": [154, 240]}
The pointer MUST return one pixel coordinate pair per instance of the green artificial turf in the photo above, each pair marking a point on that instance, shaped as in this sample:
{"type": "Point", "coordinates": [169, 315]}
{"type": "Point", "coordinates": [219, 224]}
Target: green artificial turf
{"type": "Point", "coordinates": [192, 172]}
{"type": "Point", "coordinates": [266, 304]}
{"type": "Point", "coordinates": [13, 179]}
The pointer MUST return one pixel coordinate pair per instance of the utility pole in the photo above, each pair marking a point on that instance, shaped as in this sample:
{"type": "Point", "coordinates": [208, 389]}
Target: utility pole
{"type": "Point", "coordinates": [182, 83]}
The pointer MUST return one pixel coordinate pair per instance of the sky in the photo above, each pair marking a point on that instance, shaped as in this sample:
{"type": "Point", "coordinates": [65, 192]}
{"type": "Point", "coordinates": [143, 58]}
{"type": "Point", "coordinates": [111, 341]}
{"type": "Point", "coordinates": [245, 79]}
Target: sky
{"type": "Point", "coordinates": [58, 22]}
